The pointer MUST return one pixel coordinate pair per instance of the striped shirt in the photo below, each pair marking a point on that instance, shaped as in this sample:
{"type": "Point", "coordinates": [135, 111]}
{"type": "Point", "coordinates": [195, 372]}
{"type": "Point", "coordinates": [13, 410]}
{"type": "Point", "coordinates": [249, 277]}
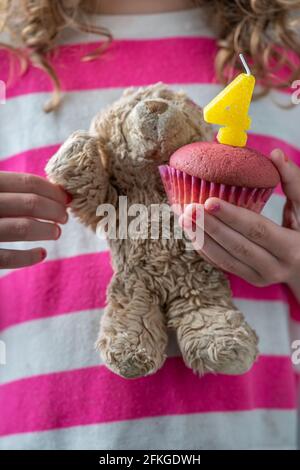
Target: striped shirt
{"type": "Point", "coordinates": [54, 393]}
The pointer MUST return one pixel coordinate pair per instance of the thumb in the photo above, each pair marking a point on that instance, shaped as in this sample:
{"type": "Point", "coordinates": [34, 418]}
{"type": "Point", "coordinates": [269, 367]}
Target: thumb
{"type": "Point", "coordinates": [289, 174]}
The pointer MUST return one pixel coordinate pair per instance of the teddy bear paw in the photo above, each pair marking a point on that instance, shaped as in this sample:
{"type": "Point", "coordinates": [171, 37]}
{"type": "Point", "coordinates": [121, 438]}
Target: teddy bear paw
{"type": "Point", "coordinates": [226, 345]}
{"type": "Point", "coordinates": [128, 360]}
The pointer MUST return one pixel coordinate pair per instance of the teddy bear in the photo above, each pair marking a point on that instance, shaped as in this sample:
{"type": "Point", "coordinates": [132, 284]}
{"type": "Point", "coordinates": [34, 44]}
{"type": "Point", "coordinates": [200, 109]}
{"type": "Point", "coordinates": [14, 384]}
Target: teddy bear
{"type": "Point", "coordinates": [157, 283]}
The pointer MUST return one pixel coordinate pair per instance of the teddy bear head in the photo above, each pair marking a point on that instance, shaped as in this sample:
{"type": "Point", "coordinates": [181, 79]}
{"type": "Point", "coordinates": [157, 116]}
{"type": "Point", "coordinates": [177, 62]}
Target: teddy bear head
{"type": "Point", "coordinates": [121, 152]}
{"type": "Point", "coordinates": [143, 128]}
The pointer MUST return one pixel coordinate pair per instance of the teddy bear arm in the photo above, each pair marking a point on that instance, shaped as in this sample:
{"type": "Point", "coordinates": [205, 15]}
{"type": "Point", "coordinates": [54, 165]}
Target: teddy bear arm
{"type": "Point", "coordinates": [78, 166]}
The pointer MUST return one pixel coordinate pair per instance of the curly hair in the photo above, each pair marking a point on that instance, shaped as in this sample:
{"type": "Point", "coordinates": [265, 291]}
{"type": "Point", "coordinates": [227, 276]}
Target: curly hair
{"type": "Point", "coordinates": [266, 31]}
{"type": "Point", "coordinates": [35, 25]}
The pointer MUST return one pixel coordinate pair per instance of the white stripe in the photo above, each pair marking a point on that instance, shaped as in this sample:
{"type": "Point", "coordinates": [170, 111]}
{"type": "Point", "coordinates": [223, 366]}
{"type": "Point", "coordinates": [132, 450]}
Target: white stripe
{"type": "Point", "coordinates": [66, 342]}
{"type": "Point", "coordinates": [76, 239]}
{"type": "Point", "coordinates": [25, 126]}
{"type": "Point", "coordinates": [274, 207]}
{"type": "Point", "coordinates": [257, 429]}
{"type": "Point", "coordinates": [157, 25]}
{"type": "Point", "coordinates": [151, 26]}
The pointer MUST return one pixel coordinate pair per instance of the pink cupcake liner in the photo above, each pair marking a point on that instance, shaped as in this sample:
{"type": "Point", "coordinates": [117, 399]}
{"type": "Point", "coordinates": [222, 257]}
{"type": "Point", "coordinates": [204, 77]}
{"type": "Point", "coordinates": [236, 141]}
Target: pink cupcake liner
{"type": "Point", "coordinates": [183, 189]}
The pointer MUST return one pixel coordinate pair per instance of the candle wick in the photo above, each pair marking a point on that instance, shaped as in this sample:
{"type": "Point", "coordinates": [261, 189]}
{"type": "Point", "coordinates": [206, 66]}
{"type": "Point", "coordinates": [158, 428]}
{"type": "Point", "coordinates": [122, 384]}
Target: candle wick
{"type": "Point", "coordinates": [245, 64]}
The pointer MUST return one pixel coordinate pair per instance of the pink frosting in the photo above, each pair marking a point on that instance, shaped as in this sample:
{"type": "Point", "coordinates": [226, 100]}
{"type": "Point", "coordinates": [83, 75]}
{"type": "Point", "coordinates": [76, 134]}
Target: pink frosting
{"type": "Point", "coordinates": [219, 163]}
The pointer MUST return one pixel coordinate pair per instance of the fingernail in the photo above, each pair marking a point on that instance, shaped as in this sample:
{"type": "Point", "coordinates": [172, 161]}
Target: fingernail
{"type": "Point", "coordinates": [69, 198]}
{"type": "Point", "coordinates": [212, 207]}
{"type": "Point", "coordinates": [286, 158]}
{"type": "Point", "coordinates": [278, 153]}
{"type": "Point", "coordinates": [43, 254]}
{"type": "Point", "coordinates": [58, 232]}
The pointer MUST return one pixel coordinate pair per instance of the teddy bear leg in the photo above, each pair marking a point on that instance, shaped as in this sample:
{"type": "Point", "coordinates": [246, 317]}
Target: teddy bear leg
{"type": "Point", "coordinates": [133, 337]}
{"type": "Point", "coordinates": [216, 340]}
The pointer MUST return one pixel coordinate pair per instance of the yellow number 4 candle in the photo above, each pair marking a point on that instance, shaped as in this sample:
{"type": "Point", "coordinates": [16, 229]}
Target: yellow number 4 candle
{"type": "Point", "coordinates": [230, 109]}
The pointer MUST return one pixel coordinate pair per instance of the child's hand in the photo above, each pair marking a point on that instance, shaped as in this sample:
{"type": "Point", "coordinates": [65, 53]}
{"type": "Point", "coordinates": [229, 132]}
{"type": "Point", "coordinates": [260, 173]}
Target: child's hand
{"type": "Point", "coordinates": [26, 200]}
{"type": "Point", "coordinates": [250, 245]}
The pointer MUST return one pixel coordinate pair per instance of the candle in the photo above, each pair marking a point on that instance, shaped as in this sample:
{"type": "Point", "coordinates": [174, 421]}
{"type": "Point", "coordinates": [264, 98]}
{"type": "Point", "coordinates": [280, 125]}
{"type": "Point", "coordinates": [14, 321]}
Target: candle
{"type": "Point", "coordinates": [230, 109]}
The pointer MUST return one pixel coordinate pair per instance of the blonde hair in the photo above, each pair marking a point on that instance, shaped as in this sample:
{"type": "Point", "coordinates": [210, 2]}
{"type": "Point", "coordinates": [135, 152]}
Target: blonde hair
{"type": "Point", "coordinates": [267, 31]}
{"type": "Point", "coordinates": [36, 25]}
{"type": "Point", "coordinates": [258, 28]}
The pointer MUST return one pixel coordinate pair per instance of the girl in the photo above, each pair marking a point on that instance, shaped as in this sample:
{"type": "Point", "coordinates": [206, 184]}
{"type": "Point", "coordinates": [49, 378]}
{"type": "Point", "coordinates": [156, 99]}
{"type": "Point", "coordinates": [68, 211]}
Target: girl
{"type": "Point", "coordinates": [54, 394]}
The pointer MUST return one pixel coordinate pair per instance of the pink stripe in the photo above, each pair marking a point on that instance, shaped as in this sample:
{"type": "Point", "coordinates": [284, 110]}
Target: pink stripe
{"type": "Point", "coordinates": [126, 63]}
{"type": "Point", "coordinates": [265, 144]}
{"type": "Point", "coordinates": [79, 283]}
{"type": "Point", "coordinates": [277, 292]}
{"type": "Point", "coordinates": [242, 290]}
{"type": "Point", "coordinates": [95, 395]}
{"type": "Point", "coordinates": [34, 160]}
{"type": "Point", "coordinates": [54, 287]}
{"type": "Point", "coordinates": [30, 161]}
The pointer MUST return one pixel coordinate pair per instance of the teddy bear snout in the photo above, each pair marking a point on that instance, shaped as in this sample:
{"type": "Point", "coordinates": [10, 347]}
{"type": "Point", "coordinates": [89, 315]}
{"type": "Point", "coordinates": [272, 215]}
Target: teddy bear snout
{"type": "Point", "coordinates": [155, 128]}
{"type": "Point", "coordinates": [156, 107]}
{"type": "Point", "coordinates": [145, 126]}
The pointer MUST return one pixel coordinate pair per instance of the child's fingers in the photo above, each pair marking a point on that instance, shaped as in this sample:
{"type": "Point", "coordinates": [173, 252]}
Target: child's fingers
{"type": "Point", "coordinates": [32, 205]}
{"type": "Point", "coordinates": [23, 229]}
{"type": "Point", "coordinates": [11, 182]}
{"type": "Point", "coordinates": [219, 257]}
{"type": "Point", "coordinates": [11, 259]}
{"type": "Point", "coordinates": [254, 227]}
{"type": "Point", "coordinates": [289, 174]}
{"type": "Point", "coordinates": [241, 248]}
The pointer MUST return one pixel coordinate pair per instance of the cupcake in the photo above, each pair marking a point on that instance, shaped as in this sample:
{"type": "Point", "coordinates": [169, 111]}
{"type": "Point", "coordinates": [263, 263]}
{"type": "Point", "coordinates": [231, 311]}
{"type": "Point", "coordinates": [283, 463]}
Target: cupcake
{"type": "Point", "coordinates": [239, 175]}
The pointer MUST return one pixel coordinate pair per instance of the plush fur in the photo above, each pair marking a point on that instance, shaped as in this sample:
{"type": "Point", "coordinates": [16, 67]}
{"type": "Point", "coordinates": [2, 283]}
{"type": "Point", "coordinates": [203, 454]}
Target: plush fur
{"type": "Point", "coordinates": [157, 283]}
